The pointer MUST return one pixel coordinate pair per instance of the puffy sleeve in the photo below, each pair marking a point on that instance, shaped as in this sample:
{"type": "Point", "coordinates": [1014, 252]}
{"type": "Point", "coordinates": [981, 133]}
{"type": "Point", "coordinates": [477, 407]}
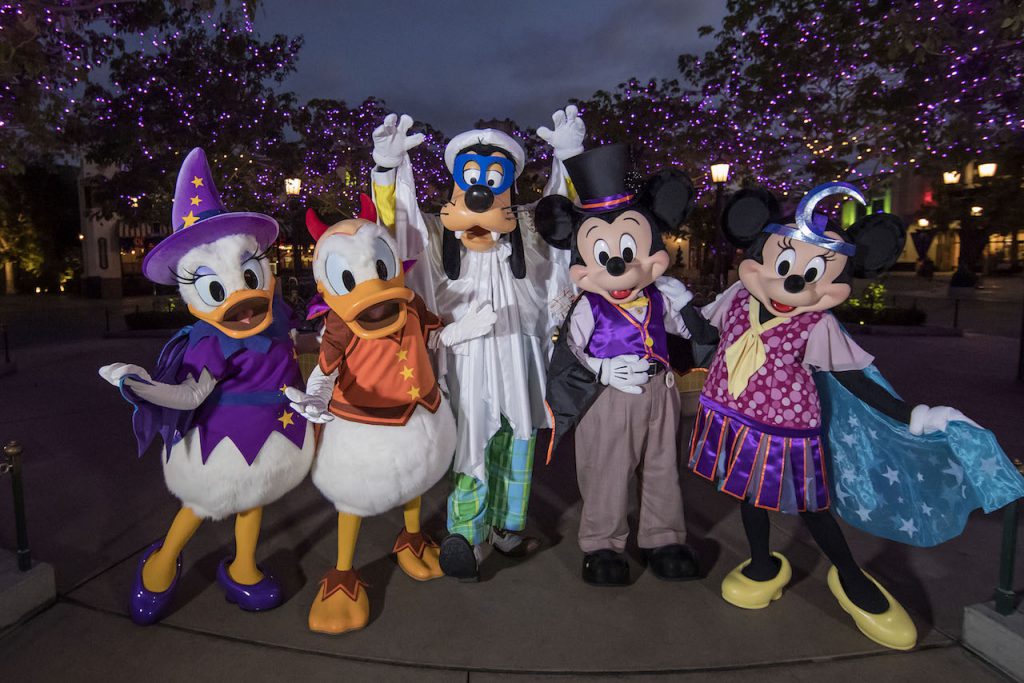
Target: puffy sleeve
{"type": "Point", "coordinates": [337, 337]}
{"type": "Point", "coordinates": [831, 349]}
{"type": "Point", "coordinates": [716, 310]}
{"type": "Point", "coordinates": [581, 329]}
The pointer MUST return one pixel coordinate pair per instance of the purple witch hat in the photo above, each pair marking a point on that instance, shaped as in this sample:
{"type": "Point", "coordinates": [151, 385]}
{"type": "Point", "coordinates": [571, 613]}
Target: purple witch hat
{"type": "Point", "coordinates": [198, 217]}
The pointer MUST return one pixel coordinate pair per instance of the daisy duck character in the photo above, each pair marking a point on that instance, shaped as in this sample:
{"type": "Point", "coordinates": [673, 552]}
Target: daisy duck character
{"type": "Point", "coordinates": [610, 375]}
{"type": "Point", "coordinates": [232, 444]}
{"type": "Point", "coordinates": [794, 418]}
{"type": "Point", "coordinates": [485, 254]}
{"type": "Point", "coordinates": [388, 433]}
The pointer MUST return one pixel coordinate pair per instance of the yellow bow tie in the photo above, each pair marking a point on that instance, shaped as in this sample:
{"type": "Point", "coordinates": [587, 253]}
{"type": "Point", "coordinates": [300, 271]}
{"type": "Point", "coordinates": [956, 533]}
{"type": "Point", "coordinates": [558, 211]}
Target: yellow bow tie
{"type": "Point", "coordinates": [639, 302]}
{"type": "Point", "coordinates": [746, 355]}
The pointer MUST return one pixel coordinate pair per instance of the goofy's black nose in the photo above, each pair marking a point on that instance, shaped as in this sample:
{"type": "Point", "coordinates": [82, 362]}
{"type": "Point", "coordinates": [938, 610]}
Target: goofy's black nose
{"type": "Point", "coordinates": [616, 266]}
{"type": "Point", "coordinates": [479, 198]}
{"type": "Point", "coordinates": [794, 284]}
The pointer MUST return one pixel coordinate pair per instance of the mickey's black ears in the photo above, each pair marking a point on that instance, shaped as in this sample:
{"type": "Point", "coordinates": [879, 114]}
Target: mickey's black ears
{"type": "Point", "coordinates": [746, 214]}
{"type": "Point", "coordinates": [880, 238]}
{"type": "Point", "coordinates": [554, 219]}
{"type": "Point", "coordinates": [451, 254]}
{"type": "Point", "coordinates": [668, 194]}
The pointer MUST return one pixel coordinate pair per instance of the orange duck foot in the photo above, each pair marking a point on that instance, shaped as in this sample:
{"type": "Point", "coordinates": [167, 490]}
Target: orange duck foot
{"type": "Point", "coordinates": [340, 605]}
{"type": "Point", "coordinates": [418, 555]}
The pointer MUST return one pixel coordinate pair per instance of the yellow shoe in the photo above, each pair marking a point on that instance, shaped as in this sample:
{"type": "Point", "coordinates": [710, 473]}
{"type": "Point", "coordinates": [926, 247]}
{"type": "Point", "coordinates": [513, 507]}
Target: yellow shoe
{"type": "Point", "coordinates": [340, 605]}
{"type": "Point", "coordinates": [892, 628]}
{"type": "Point", "coordinates": [418, 556]}
{"type": "Point", "coordinates": [743, 592]}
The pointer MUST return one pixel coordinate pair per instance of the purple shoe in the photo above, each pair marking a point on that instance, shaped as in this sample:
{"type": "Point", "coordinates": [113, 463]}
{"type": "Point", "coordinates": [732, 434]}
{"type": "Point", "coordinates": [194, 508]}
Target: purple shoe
{"type": "Point", "coordinates": [144, 606]}
{"type": "Point", "coordinates": [253, 598]}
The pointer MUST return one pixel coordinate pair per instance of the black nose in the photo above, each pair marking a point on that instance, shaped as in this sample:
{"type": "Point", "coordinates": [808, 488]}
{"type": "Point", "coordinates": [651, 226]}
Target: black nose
{"type": "Point", "coordinates": [616, 266]}
{"type": "Point", "coordinates": [479, 198]}
{"type": "Point", "coordinates": [794, 284]}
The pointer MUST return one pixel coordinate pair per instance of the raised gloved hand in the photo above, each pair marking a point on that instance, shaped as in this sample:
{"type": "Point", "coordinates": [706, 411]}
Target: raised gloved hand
{"type": "Point", "coordinates": [313, 403]}
{"type": "Point", "coordinates": [391, 142]}
{"type": "Point", "coordinates": [474, 324]}
{"type": "Point", "coordinates": [625, 373]}
{"type": "Point", "coordinates": [674, 291]}
{"type": "Point", "coordinates": [566, 139]}
{"type": "Point", "coordinates": [187, 395]}
{"type": "Point", "coordinates": [926, 420]}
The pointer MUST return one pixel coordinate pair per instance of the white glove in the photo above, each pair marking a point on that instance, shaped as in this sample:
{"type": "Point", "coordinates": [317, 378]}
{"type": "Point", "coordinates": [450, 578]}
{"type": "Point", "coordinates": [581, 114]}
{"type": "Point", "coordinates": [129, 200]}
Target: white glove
{"type": "Point", "coordinates": [470, 326]}
{"type": "Point", "coordinates": [675, 291]}
{"type": "Point", "coordinates": [925, 420]}
{"type": "Point", "coordinates": [390, 142]}
{"type": "Point", "coordinates": [625, 373]}
{"type": "Point", "coordinates": [187, 395]}
{"type": "Point", "coordinates": [313, 403]}
{"type": "Point", "coordinates": [566, 139]}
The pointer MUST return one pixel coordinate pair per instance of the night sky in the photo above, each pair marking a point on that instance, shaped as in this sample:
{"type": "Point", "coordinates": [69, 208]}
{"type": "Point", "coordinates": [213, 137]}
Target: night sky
{"type": "Point", "coordinates": [451, 63]}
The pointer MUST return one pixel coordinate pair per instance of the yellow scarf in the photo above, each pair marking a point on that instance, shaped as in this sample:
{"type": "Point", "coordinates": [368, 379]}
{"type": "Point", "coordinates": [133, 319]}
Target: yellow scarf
{"type": "Point", "coordinates": [746, 355]}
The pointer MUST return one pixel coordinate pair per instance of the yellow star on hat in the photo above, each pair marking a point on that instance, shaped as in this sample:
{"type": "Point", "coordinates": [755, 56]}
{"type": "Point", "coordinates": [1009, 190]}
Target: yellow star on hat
{"type": "Point", "coordinates": [189, 218]}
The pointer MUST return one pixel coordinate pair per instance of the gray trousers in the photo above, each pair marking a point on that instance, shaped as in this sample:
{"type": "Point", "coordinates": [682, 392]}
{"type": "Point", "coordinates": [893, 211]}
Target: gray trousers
{"type": "Point", "coordinates": [620, 435]}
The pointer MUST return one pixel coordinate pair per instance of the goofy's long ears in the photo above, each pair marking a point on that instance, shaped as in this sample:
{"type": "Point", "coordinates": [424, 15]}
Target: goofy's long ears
{"type": "Point", "coordinates": [314, 225]}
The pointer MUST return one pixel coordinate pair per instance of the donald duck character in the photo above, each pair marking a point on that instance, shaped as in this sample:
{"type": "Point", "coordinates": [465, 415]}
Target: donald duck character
{"type": "Point", "coordinates": [232, 444]}
{"type": "Point", "coordinates": [389, 434]}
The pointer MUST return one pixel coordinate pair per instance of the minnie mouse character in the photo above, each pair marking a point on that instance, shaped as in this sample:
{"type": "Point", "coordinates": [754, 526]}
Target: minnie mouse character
{"type": "Point", "coordinates": [610, 370]}
{"type": "Point", "coordinates": [787, 379]}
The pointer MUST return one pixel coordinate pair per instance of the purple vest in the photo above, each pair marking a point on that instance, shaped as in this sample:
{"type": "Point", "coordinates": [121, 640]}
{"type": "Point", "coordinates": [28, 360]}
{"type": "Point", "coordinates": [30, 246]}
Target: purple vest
{"type": "Point", "coordinates": [617, 332]}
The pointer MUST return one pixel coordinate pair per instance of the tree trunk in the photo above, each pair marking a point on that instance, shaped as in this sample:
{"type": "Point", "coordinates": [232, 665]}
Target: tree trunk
{"type": "Point", "coordinates": [9, 277]}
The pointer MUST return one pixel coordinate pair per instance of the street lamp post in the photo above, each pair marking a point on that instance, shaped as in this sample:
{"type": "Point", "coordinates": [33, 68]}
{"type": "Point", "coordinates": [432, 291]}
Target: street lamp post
{"type": "Point", "coordinates": [964, 275]}
{"type": "Point", "coordinates": [292, 188]}
{"type": "Point", "coordinates": [720, 176]}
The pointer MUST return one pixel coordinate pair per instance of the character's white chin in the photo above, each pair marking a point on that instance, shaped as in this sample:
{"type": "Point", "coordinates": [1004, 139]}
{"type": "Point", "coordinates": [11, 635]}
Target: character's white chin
{"type": "Point", "coordinates": [458, 234]}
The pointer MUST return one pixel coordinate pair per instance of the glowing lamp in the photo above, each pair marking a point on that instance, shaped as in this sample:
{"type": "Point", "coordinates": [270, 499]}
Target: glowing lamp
{"type": "Point", "coordinates": [976, 210]}
{"type": "Point", "coordinates": [922, 222]}
{"type": "Point", "coordinates": [987, 170]}
{"type": "Point", "coordinates": [292, 186]}
{"type": "Point", "coordinates": [719, 172]}
{"type": "Point", "coordinates": [951, 177]}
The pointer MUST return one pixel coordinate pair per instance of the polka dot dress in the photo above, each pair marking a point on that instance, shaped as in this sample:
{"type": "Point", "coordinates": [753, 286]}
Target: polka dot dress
{"type": "Point", "coordinates": [782, 392]}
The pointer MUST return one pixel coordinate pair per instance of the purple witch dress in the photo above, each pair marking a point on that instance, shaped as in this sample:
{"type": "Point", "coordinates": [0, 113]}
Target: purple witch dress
{"type": "Point", "coordinates": [223, 457]}
{"type": "Point", "coordinates": [766, 444]}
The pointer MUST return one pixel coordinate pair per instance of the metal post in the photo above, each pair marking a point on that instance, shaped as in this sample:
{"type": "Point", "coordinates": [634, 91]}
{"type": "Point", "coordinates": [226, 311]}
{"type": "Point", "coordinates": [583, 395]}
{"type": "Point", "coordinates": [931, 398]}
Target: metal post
{"type": "Point", "coordinates": [12, 456]}
{"type": "Point", "coordinates": [1005, 597]}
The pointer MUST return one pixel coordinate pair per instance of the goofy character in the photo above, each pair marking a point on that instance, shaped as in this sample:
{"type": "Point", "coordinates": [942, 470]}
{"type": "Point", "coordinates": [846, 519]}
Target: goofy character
{"type": "Point", "coordinates": [794, 418]}
{"type": "Point", "coordinates": [610, 370]}
{"type": "Point", "coordinates": [389, 433]}
{"type": "Point", "coordinates": [217, 395]}
{"type": "Point", "coordinates": [485, 255]}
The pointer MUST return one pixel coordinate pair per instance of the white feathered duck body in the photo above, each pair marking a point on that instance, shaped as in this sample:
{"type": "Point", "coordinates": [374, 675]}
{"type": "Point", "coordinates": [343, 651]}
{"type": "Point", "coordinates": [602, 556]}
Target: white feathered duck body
{"type": "Point", "coordinates": [389, 433]}
{"type": "Point", "coordinates": [232, 444]}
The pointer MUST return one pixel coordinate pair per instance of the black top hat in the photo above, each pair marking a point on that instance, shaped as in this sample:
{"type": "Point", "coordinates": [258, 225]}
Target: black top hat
{"type": "Point", "coordinates": [599, 176]}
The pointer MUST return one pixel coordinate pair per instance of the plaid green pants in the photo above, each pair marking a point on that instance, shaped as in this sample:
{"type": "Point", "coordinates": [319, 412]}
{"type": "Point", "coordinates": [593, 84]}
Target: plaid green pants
{"type": "Point", "coordinates": [475, 506]}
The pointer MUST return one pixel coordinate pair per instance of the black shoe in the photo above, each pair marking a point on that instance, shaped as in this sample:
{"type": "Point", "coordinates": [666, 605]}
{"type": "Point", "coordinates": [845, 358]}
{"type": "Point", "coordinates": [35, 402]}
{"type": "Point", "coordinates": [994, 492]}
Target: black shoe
{"type": "Point", "coordinates": [605, 568]}
{"type": "Point", "coordinates": [675, 562]}
{"type": "Point", "coordinates": [505, 543]}
{"type": "Point", "coordinates": [458, 560]}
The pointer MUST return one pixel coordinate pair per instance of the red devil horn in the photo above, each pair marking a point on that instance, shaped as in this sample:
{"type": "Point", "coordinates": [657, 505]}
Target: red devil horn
{"type": "Point", "coordinates": [315, 226]}
{"type": "Point", "coordinates": [367, 210]}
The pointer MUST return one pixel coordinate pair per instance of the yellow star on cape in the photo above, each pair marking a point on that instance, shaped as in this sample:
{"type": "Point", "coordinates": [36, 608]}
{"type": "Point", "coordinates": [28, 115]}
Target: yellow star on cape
{"type": "Point", "coordinates": [190, 219]}
{"type": "Point", "coordinates": [403, 354]}
{"type": "Point", "coordinates": [414, 393]}
{"type": "Point", "coordinates": [195, 200]}
{"type": "Point", "coordinates": [286, 418]}
{"type": "Point", "coordinates": [197, 181]}
{"type": "Point", "coordinates": [406, 372]}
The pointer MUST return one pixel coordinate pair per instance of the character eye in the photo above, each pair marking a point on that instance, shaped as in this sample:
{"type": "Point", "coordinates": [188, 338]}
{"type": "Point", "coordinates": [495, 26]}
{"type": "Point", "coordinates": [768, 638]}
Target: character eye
{"type": "Point", "coordinates": [210, 289]}
{"type": "Point", "coordinates": [471, 174]}
{"type": "Point", "coordinates": [495, 176]}
{"type": "Point", "coordinates": [252, 273]}
{"type": "Point", "coordinates": [784, 263]}
{"type": "Point", "coordinates": [601, 252]}
{"type": "Point", "coordinates": [815, 269]}
{"type": "Point", "coordinates": [339, 274]}
{"type": "Point", "coordinates": [627, 247]}
{"type": "Point", "coordinates": [384, 260]}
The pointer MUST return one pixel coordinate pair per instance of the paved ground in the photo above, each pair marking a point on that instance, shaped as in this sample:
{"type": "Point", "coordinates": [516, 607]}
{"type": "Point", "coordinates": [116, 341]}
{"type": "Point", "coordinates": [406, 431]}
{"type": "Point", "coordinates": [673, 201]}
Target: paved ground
{"type": "Point", "coordinates": [93, 507]}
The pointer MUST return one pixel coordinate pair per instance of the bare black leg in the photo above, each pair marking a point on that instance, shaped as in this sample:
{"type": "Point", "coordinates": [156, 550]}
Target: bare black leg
{"type": "Point", "coordinates": [829, 537]}
{"type": "Point", "coordinates": [763, 566]}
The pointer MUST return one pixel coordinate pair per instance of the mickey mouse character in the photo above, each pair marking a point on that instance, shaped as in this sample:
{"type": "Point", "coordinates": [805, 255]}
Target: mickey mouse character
{"type": "Point", "coordinates": [787, 380]}
{"type": "Point", "coordinates": [610, 371]}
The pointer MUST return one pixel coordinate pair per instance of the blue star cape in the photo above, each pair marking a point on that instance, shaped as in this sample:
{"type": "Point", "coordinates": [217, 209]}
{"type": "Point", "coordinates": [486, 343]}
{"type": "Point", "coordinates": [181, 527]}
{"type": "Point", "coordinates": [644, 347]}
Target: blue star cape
{"type": "Point", "coordinates": [913, 489]}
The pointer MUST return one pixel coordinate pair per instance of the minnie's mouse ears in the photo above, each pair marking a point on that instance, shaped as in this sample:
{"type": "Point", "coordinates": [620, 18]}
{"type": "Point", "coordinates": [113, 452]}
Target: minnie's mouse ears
{"type": "Point", "coordinates": [880, 238]}
{"type": "Point", "coordinates": [668, 194]}
{"type": "Point", "coordinates": [746, 214]}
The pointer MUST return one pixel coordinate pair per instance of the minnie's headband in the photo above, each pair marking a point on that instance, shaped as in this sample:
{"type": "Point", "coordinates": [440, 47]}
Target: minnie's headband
{"type": "Point", "coordinates": [810, 227]}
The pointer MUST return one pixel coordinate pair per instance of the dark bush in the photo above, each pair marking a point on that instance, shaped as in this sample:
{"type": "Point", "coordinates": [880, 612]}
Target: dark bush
{"type": "Point", "coordinates": [158, 320]}
{"type": "Point", "coordinates": [884, 316]}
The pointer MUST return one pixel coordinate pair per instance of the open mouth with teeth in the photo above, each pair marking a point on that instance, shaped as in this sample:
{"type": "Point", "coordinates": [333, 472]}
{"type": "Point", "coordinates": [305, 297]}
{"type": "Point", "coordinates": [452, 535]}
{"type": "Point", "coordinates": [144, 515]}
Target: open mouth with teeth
{"type": "Point", "coordinates": [781, 308]}
{"type": "Point", "coordinates": [380, 316]}
{"type": "Point", "coordinates": [478, 234]}
{"type": "Point", "coordinates": [246, 315]}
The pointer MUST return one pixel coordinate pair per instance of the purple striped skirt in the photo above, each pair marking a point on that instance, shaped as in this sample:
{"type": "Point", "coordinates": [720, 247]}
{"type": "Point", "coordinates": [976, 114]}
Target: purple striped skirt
{"type": "Point", "coordinates": [774, 468]}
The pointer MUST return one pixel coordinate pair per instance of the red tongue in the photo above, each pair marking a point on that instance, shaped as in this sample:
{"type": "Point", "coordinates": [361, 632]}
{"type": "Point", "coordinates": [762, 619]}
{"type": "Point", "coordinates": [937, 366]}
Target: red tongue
{"type": "Point", "coordinates": [246, 316]}
{"type": "Point", "coordinates": [781, 308]}
{"type": "Point", "coordinates": [620, 293]}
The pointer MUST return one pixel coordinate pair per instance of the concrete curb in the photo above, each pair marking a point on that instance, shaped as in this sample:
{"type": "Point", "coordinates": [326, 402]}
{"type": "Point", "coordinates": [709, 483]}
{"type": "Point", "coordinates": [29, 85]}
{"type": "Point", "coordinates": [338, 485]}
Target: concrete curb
{"type": "Point", "coordinates": [24, 593]}
{"type": "Point", "coordinates": [996, 638]}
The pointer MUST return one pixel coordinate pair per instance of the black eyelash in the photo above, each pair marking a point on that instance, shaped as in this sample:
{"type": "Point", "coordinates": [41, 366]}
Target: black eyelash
{"type": "Point", "coordinates": [829, 256]}
{"type": "Point", "coordinates": [182, 280]}
{"type": "Point", "coordinates": [263, 255]}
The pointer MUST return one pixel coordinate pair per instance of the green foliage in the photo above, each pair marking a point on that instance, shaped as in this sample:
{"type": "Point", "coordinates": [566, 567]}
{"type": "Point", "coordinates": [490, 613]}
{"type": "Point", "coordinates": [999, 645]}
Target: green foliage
{"type": "Point", "coordinates": [873, 298]}
{"type": "Point", "coordinates": [870, 309]}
